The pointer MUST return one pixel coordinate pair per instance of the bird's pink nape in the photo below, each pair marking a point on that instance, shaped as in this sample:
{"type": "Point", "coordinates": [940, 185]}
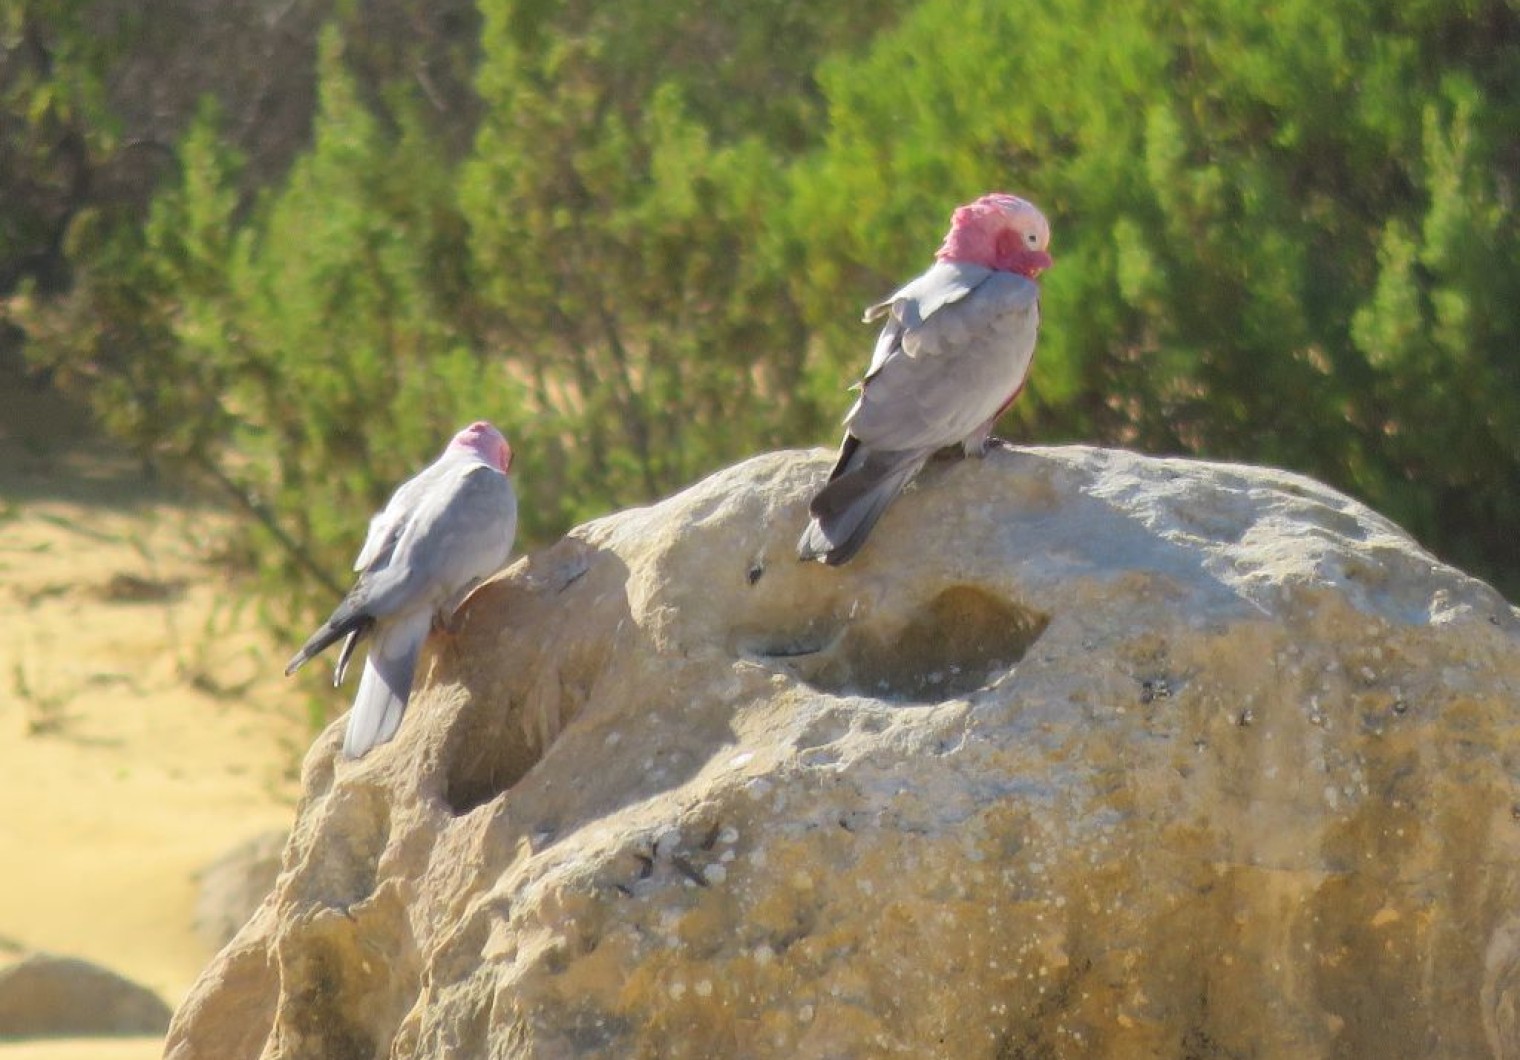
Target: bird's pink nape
{"type": "Point", "coordinates": [486, 442]}
{"type": "Point", "coordinates": [992, 232]}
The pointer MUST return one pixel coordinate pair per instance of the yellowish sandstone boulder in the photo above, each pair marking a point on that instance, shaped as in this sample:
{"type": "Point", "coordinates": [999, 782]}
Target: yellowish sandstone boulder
{"type": "Point", "coordinates": [1086, 755]}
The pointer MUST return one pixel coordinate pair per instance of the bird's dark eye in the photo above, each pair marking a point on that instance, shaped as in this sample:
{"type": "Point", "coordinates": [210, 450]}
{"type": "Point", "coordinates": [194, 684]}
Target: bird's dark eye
{"type": "Point", "coordinates": [1032, 238]}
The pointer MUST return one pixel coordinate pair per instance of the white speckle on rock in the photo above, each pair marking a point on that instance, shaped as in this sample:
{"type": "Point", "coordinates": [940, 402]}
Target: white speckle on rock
{"type": "Point", "coordinates": [729, 835]}
{"type": "Point", "coordinates": [743, 758]}
{"type": "Point", "coordinates": [714, 873]}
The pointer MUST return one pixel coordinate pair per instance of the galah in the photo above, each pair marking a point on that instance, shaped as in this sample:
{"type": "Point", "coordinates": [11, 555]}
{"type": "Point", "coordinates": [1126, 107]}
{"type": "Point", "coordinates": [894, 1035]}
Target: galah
{"type": "Point", "coordinates": [953, 354]}
{"type": "Point", "coordinates": [440, 535]}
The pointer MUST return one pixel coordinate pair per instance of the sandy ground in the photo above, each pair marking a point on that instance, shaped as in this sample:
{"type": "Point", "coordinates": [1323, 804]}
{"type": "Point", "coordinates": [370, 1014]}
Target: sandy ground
{"type": "Point", "coordinates": [145, 728]}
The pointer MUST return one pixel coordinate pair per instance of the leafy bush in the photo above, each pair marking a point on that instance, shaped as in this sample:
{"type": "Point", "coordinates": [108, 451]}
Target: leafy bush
{"type": "Point", "coordinates": [1282, 234]}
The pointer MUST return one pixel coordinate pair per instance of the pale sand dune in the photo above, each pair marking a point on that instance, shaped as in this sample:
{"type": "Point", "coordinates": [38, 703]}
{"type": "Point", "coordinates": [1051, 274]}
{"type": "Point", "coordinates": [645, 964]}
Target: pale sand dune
{"type": "Point", "coordinates": [83, 1049]}
{"type": "Point", "coordinates": [134, 747]}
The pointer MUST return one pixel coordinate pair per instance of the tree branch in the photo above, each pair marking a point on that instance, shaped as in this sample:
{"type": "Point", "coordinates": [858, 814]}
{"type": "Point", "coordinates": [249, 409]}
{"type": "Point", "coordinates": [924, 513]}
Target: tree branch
{"type": "Point", "coordinates": [245, 500]}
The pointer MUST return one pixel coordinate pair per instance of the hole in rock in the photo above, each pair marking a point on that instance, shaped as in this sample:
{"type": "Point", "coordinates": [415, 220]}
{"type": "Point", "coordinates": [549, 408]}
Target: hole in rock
{"type": "Point", "coordinates": [485, 765]}
{"type": "Point", "coordinates": [959, 641]}
{"type": "Point", "coordinates": [523, 664]}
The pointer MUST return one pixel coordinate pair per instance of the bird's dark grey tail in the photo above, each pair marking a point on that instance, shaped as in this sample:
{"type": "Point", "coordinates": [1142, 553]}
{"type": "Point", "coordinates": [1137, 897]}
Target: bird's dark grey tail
{"type": "Point", "coordinates": [844, 511]}
{"type": "Point", "coordinates": [344, 623]}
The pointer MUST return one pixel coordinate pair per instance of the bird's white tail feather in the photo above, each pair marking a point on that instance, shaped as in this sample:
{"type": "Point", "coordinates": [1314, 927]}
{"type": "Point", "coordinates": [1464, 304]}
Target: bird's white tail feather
{"type": "Point", "coordinates": [386, 684]}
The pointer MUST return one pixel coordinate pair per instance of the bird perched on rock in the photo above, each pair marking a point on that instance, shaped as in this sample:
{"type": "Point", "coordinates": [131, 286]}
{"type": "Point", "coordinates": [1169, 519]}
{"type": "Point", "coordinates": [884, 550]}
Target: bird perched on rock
{"type": "Point", "coordinates": [953, 354]}
{"type": "Point", "coordinates": [440, 534]}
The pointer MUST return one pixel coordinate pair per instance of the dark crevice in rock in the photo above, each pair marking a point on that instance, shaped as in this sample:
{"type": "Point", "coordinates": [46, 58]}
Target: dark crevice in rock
{"type": "Point", "coordinates": [481, 771]}
{"type": "Point", "coordinates": [961, 640]}
{"type": "Point", "coordinates": [492, 747]}
{"type": "Point", "coordinates": [319, 1021]}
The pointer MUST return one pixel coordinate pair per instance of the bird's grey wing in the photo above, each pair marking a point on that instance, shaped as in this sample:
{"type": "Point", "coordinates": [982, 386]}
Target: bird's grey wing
{"type": "Point", "coordinates": [386, 525]}
{"type": "Point", "coordinates": [952, 371]}
{"type": "Point", "coordinates": [355, 616]}
{"type": "Point", "coordinates": [460, 531]}
{"type": "Point", "coordinates": [942, 284]}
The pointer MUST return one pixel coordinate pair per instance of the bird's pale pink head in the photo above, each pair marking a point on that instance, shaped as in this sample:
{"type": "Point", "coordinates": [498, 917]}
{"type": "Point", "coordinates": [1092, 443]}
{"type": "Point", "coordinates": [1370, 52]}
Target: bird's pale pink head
{"type": "Point", "coordinates": [1002, 232]}
{"type": "Point", "coordinates": [486, 442]}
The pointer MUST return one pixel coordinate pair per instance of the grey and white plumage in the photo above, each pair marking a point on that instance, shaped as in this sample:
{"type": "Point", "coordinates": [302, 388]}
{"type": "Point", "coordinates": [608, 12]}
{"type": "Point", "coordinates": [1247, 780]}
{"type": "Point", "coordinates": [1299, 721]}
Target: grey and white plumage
{"type": "Point", "coordinates": [440, 535]}
{"type": "Point", "coordinates": [953, 353]}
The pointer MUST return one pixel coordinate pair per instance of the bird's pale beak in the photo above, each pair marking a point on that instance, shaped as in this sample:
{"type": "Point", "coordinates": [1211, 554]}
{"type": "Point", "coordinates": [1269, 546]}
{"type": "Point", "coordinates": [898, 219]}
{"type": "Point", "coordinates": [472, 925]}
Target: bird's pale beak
{"type": "Point", "coordinates": [1034, 262]}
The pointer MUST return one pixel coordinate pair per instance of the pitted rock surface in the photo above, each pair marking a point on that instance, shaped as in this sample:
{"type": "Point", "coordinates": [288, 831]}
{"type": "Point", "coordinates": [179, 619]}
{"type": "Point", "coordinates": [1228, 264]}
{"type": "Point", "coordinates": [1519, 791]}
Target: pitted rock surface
{"type": "Point", "coordinates": [1086, 754]}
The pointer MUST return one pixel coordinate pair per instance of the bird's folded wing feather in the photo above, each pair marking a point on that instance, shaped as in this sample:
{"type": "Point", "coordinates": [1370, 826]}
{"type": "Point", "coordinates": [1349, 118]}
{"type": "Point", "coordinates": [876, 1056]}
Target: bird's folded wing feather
{"type": "Point", "coordinates": [942, 378]}
{"type": "Point", "coordinates": [386, 526]}
{"type": "Point", "coordinates": [459, 530]}
{"type": "Point", "coordinates": [944, 283]}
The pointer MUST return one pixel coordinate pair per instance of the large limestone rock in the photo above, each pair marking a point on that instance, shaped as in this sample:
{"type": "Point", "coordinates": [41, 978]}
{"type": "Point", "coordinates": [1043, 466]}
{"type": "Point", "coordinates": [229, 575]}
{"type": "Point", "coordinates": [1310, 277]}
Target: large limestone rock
{"type": "Point", "coordinates": [1086, 755]}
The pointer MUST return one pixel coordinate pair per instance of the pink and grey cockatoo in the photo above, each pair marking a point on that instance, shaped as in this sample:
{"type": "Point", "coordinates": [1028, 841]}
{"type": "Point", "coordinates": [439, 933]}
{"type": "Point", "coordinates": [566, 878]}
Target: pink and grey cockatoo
{"type": "Point", "coordinates": [440, 535]}
{"type": "Point", "coordinates": [952, 356]}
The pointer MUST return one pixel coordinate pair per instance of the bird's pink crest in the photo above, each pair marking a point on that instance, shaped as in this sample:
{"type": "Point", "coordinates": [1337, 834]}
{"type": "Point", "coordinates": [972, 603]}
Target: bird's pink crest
{"type": "Point", "coordinates": [999, 231]}
{"type": "Point", "coordinates": [486, 442]}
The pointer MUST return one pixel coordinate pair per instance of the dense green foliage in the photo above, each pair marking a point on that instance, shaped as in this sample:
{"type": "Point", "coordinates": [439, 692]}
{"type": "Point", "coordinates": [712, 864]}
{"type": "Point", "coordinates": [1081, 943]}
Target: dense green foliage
{"type": "Point", "coordinates": [53, 117]}
{"type": "Point", "coordinates": [1282, 234]}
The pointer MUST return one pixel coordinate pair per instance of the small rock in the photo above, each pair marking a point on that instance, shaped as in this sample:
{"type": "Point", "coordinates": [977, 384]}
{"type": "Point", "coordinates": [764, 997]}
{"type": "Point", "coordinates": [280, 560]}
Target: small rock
{"type": "Point", "coordinates": [234, 885]}
{"type": "Point", "coordinates": [47, 995]}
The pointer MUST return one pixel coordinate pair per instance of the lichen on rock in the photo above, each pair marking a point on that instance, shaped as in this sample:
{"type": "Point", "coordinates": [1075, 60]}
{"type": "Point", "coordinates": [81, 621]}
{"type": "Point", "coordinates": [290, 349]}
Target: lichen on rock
{"type": "Point", "coordinates": [1087, 754]}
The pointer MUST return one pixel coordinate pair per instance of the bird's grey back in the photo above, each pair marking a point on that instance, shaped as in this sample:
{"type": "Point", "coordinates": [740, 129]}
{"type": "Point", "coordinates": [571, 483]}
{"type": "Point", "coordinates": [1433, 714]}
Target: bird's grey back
{"type": "Point", "coordinates": [459, 531]}
{"type": "Point", "coordinates": [938, 381]}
